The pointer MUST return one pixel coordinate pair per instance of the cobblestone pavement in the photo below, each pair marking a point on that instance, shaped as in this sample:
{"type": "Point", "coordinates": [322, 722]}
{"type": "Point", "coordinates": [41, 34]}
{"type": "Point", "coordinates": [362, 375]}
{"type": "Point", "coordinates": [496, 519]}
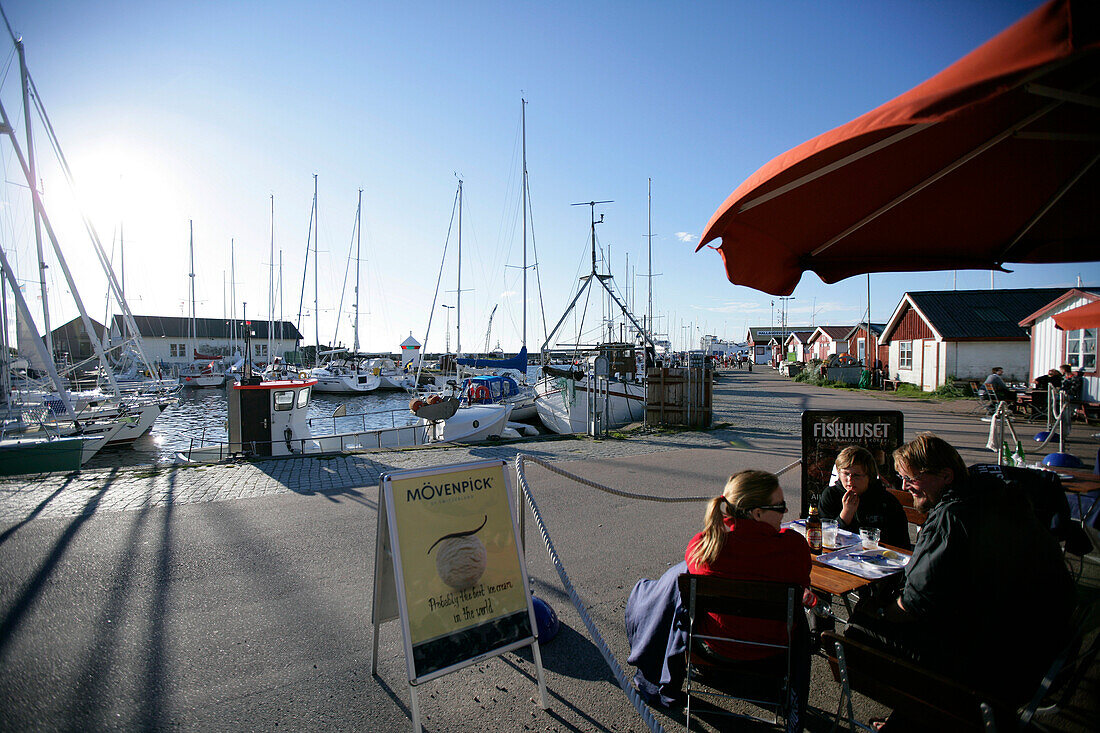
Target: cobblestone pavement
{"type": "Point", "coordinates": [746, 407]}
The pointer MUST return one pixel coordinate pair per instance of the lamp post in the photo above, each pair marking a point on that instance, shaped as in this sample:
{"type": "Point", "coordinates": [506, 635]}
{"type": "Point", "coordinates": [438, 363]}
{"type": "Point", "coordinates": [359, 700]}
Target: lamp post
{"type": "Point", "coordinates": [449, 309]}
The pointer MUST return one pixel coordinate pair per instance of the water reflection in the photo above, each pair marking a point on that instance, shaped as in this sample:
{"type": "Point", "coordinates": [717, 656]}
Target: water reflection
{"type": "Point", "coordinates": [201, 414]}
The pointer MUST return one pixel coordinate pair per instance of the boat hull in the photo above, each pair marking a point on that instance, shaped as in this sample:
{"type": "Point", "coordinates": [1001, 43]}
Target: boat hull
{"type": "Point", "coordinates": [345, 383]}
{"type": "Point", "coordinates": [562, 404]}
{"type": "Point", "coordinates": [40, 455]}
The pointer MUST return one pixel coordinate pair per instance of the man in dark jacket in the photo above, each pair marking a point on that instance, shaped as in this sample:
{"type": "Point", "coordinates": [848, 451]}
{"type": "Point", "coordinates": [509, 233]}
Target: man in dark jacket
{"type": "Point", "coordinates": [987, 597]}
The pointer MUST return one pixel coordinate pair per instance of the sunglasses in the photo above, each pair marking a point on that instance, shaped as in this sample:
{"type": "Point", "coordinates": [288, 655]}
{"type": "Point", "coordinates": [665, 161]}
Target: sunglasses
{"type": "Point", "coordinates": [781, 508]}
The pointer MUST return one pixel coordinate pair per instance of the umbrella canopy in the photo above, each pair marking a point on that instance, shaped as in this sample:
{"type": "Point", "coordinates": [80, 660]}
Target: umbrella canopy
{"type": "Point", "coordinates": [1085, 316]}
{"type": "Point", "coordinates": [990, 161]}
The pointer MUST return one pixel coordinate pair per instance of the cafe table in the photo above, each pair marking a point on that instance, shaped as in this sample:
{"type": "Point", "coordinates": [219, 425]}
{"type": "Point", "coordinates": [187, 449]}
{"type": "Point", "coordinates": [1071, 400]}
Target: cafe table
{"type": "Point", "coordinates": [830, 581]}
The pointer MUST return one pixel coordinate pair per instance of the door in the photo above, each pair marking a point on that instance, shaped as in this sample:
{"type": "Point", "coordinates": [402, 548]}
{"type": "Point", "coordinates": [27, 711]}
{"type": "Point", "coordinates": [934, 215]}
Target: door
{"type": "Point", "coordinates": [930, 366]}
{"type": "Point", "coordinates": [256, 421]}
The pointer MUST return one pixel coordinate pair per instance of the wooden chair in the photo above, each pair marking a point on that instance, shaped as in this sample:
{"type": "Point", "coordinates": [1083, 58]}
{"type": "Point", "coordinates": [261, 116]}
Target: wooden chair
{"type": "Point", "coordinates": [985, 402]}
{"type": "Point", "coordinates": [945, 704]}
{"type": "Point", "coordinates": [940, 703]}
{"type": "Point", "coordinates": [914, 515]}
{"type": "Point", "coordinates": [730, 678]}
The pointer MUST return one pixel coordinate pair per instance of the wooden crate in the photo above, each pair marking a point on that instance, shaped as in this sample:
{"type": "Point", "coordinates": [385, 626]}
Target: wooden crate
{"type": "Point", "coordinates": [679, 397]}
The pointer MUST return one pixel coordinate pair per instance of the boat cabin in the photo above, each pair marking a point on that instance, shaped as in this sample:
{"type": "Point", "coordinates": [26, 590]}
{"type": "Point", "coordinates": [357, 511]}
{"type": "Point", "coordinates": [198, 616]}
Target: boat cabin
{"type": "Point", "coordinates": [269, 418]}
{"type": "Point", "coordinates": [485, 390]}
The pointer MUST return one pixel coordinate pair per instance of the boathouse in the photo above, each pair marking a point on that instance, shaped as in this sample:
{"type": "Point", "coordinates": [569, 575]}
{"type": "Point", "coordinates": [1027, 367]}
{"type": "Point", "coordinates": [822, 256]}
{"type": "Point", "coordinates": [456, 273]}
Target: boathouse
{"type": "Point", "coordinates": [796, 346]}
{"type": "Point", "coordinates": [760, 339]}
{"type": "Point", "coordinates": [935, 336]}
{"type": "Point", "coordinates": [861, 342]}
{"type": "Point", "coordinates": [828, 340]}
{"type": "Point", "coordinates": [1051, 346]}
{"type": "Point", "coordinates": [168, 339]}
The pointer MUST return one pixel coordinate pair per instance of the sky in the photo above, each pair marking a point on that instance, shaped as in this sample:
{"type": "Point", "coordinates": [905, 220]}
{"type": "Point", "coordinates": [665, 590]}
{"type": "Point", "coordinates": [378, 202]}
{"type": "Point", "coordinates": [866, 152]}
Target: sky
{"type": "Point", "coordinates": [210, 114]}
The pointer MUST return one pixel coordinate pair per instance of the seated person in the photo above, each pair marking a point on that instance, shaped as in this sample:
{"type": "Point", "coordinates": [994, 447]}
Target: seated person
{"type": "Point", "coordinates": [1071, 382]}
{"type": "Point", "coordinates": [995, 385]}
{"type": "Point", "coordinates": [987, 598]}
{"type": "Point", "coordinates": [742, 540]}
{"type": "Point", "coordinates": [1054, 377]}
{"type": "Point", "coordinates": [859, 499]}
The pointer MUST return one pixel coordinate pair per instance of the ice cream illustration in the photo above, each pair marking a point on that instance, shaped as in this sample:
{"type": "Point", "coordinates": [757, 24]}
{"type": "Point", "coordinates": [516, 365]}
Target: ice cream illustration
{"type": "Point", "coordinates": [460, 560]}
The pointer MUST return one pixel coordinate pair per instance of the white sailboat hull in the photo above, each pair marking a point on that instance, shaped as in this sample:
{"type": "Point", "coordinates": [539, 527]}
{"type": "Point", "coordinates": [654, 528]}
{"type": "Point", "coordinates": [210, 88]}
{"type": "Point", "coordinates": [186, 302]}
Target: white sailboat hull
{"type": "Point", "coordinates": [562, 404]}
{"type": "Point", "coordinates": [360, 383]}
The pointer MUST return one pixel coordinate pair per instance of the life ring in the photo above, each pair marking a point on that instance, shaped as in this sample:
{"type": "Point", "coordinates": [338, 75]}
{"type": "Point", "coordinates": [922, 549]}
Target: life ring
{"type": "Point", "coordinates": [303, 376]}
{"type": "Point", "coordinates": [416, 404]}
{"type": "Point", "coordinates": [434, 399]}
{"type": "Point", "coordinates": [481, 392]}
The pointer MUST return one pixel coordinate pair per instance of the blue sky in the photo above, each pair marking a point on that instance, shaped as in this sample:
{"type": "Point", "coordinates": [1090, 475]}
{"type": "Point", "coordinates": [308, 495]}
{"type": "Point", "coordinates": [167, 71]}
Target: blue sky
{"type": "Point", "coordinates": [170, 112]}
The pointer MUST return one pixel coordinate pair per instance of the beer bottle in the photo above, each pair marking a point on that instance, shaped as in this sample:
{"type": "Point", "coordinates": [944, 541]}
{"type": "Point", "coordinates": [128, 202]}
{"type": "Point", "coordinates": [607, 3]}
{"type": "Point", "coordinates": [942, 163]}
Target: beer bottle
{"type": "Point", "coordinates": [813, 527]}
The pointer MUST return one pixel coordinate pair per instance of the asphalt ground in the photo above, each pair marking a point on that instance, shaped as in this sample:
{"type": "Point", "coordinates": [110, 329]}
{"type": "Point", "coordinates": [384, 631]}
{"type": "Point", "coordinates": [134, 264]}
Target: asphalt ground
{"type": "Point", "coordinates": [239, 597]}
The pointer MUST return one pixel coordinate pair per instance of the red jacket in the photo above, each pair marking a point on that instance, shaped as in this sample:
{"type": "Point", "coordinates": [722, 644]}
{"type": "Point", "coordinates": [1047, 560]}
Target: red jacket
{"type": "Point", "coordinates": [753, 551]}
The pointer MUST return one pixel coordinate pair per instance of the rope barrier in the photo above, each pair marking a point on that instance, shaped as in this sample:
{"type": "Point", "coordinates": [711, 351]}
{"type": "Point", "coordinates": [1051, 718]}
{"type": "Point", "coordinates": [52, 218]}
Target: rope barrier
{"type": "Point", "coordinates": [609, 657]}
{"type": "Point", "coordinates": [617, 492]}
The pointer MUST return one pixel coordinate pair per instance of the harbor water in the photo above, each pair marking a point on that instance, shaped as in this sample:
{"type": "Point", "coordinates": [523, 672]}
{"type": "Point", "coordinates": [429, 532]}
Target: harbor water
{"type": "Point", "coordinates": [200, 417]}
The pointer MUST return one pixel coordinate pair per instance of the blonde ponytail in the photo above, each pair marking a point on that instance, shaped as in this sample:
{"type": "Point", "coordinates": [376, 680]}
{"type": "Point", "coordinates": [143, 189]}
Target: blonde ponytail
{"type": "Point", "coordinates": [743, 492]}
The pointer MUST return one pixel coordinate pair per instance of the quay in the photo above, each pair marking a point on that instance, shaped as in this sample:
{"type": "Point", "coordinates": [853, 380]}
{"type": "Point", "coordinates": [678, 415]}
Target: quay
{"type": "Point", "coordinates": [238, 597]}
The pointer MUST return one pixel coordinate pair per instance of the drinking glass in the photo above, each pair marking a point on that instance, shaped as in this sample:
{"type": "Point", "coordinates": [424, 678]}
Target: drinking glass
{"type": "Point", "coordinates": [870, 536]}
{"type": "Point", "coordinates": [828, 532]}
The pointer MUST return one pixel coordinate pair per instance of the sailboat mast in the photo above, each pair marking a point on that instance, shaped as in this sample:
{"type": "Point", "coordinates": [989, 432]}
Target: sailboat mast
{"type": "Point", "coordinates": [649, 242]}
{"type": "Point", "coordinates": [232, 298]}
{"type": "Point", "coordinates": [33, 180]}
{"type": "Point", "coordinates": [271, 285]}
{"type": "Point", "coordinates": [458, 295]}
{"type": "Point", "coordinates": [358, 242]}
{"type": "Point", "coordinates": [191, 326]}
{"type": "Point", "coordinates": [523, 196]}
{"type": "Point", "coordinates": [316, 312]}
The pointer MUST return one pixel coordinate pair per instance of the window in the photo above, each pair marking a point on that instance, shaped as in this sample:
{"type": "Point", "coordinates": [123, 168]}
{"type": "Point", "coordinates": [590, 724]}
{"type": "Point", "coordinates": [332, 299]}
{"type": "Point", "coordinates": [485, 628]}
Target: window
{"type": "Point", "coordinates": [905, 354]}
{"type": "Point", "coordinates": [303, 397]}
{"type": "Point", "coordinates": [260, 350]}
{"type": "Point", "coordinates": [1081, 349]}
{"type": "Point", "coordinates": [861, 349]}
{"type": "Point", "coordinates": [284, 399]}
{"type": "Point", "coordinates": [177, 350]}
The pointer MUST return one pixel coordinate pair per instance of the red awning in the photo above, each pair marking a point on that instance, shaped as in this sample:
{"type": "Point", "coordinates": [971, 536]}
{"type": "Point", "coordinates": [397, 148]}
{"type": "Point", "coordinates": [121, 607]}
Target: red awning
{"type": "Point", "coordinates": [990, 161]}
{"type": "Point", "coordinates": [1086, 316]}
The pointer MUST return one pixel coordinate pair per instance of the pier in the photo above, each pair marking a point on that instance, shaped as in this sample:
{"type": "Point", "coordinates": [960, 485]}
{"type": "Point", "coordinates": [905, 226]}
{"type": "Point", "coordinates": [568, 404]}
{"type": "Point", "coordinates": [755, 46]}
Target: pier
{"type": "Point", "coordinates": [238, 596]}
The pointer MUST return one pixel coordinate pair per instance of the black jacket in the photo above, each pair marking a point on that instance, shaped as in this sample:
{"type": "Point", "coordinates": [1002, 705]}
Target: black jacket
{"type": "Point", "coordinates": [877, 508]}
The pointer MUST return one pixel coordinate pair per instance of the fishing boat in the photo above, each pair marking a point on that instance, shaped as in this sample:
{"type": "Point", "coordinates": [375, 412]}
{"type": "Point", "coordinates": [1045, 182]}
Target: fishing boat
{"type": "Point", "coordinates": [269, 419]}
{"type": "Point", "coordinates": [609, 390]}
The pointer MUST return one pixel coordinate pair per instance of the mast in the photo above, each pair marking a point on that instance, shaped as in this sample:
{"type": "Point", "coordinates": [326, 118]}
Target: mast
{"type": "Point", "coordinates": [316, 312]}
{"type": "Point", "coordinates": [523, 196]}
{"type": "Point", "coordinates": [458, 295]}
{"type": "Point", "coordinates": [358, 242]}
{"type": "Point", "coordinates": [271, 284]}
{"type": "Point", "coordinates": [649, 242]}
{"type": "Point", "coordinates": [24, 79]}
{"type": "Point", "coordinates": [232, 298]}
{"type": "Point", "coordinates": [191, 335]}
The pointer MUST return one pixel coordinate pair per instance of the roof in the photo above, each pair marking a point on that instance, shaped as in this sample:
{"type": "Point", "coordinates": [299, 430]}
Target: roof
{"type": "Point", "coordinates": [410, 342]}
{"type": "Point", "coordinates": [1090, 294]}
{"type": "Point", "coordinates": [836, 333]}
{"type": "Point", "coordinates": [759, 334]}
{"type": "Point", "coordinates": [800, 336]}
{"type": "Point", "coordinates": [208, 328]}
{"type": "Point", "coordinates": [876, 329]}
{"type": "Point", "coordinates": [959, 315]}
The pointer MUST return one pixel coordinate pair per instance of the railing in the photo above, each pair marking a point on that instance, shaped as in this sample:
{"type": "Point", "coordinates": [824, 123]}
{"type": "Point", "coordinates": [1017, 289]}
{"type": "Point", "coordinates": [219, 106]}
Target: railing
{"type": "Point", "coordinates": [363, 422]}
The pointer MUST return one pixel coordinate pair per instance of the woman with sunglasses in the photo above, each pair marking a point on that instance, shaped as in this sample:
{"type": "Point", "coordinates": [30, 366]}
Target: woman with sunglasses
{"type": "Point", "coordinates": [742, 539]}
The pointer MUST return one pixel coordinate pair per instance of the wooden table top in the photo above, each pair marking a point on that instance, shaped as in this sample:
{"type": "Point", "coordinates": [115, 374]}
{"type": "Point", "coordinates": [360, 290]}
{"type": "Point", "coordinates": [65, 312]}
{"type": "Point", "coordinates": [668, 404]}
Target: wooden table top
{"type": "Point", "coordinates": [1083, 480]}
{"type": "Point", "coordinates": [834, 580]}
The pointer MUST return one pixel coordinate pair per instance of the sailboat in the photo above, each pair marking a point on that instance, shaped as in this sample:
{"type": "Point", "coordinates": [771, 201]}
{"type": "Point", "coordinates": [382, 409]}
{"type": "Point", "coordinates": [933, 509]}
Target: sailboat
{"type": "Point", "coordinates": [210, 374]}
{"type": "Point", "coordinates": [609, 389]}
{"type": "Point", "coordinates": [101, 418]}
{"type": "Point", "coordinates": [344, 372]}
{"type": "Point", "coordinates": [513, 391]}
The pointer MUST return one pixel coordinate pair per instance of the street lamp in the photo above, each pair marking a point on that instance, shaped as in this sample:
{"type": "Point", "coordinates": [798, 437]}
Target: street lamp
{"type": "Point", "coordinates": [449, 309]}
